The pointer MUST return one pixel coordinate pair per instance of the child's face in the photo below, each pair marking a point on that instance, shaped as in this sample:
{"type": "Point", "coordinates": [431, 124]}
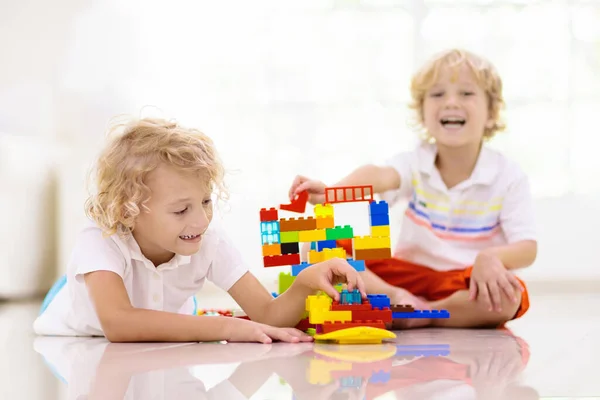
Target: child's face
{"type": "Point", "coordinates": [455, 109]}
{"type": "Point", "coordinates": [180, 210]}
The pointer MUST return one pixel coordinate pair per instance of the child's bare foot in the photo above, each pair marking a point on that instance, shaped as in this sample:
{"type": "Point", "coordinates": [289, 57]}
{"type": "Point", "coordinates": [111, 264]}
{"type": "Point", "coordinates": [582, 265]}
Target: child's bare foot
{"type": "Point", "coordinates": [410, 323]}
{"type": "Point", "coordinates": [404, 297]}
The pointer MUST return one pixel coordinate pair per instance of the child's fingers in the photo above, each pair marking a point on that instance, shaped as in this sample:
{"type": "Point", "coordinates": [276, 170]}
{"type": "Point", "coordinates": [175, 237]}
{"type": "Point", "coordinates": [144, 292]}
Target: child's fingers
{"type": "Point", "coordinates": [484, 295]}
{"type": "Point", "coordinates": [515, 282]}
{"type": "Point", "coordinates": [473, 290]}
{"type": "Point", "coordinates": [508, 288]}
{"type": "Point", "coordinates": [328, 288]}
{"type": "Point", "coordinates": [494, 291]}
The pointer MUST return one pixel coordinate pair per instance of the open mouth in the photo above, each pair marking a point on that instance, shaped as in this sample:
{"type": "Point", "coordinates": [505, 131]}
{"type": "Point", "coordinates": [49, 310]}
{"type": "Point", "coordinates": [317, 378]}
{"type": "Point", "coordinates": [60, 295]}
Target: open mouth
{"type": "Point", "coordinates": [189, 237]}
{"type": "Point", "coordinates": [453, 122]}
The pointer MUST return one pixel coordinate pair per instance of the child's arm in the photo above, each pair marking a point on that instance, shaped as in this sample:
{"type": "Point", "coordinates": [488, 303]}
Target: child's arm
{"type": "Point", "coordinates": [288, 308]}
{"type": "Point", "coordinates": [121, 322]}
{"type": "Point", "coordinates": [515, 255]}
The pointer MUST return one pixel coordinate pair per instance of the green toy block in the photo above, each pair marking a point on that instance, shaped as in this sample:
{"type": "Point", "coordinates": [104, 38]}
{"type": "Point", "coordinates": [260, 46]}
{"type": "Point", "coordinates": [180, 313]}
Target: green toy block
{"type": "Point", "coordinates": [285, 281]}
{"type": "Point", "coordinates": [289, 237]}
{"type": "Point", "coordinates": [311, 331]}
{"type": "Point", "coordinates": [339, 287]}
{"type": "Point", "coordinates": [339, 233]}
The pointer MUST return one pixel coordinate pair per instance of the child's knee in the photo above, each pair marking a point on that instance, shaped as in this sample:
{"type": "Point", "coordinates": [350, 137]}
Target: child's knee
{"type": "Point", "coordinates": [508, 308]}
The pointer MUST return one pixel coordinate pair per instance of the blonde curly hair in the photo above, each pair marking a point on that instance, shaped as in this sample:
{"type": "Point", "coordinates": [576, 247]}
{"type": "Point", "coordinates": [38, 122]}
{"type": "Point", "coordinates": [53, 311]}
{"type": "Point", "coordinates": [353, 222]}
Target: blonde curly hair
{"type": "Point", "coordinates": [135, 148]}
{"type": "Point", "coordinates": [485, 75]}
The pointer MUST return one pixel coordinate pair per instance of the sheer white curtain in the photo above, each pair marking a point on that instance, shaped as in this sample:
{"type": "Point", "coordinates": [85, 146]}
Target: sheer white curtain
{"type": "Point", "coordinates": [320, 87]}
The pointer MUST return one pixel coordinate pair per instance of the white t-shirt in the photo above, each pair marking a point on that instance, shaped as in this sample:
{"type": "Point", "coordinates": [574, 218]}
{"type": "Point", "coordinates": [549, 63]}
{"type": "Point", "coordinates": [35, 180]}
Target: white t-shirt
{"type": "Point", "coordinates": [168, 287]}
{"type": "Point", "coordinates": [445, 229]}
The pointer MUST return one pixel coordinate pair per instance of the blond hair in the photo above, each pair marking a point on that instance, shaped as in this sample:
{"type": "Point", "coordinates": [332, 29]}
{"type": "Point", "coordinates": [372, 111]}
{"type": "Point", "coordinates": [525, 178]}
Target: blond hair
{"type": "Point", "coordinates": [136, 148]}
{"type": "Point", "coordinates": [485, 74]}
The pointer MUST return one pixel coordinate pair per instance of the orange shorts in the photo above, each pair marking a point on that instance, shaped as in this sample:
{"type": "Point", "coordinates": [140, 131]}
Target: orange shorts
{"type": "Point", "coordinates": [425, 282]}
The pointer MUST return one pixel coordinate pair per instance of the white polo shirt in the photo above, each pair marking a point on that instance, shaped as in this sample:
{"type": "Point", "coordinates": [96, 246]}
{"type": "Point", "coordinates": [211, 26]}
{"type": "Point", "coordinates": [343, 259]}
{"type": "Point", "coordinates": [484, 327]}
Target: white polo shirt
{"type": "Point", "coordinates": [168, 287]}
{"type": "Point", "coordinates": [445, 229]}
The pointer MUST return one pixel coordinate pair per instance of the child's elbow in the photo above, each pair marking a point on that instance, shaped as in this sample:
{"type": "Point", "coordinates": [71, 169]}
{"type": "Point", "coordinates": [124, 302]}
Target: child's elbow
{"type": "Point", "coordinates": [532, 250]}
{"type": "Point", "coordinates": [116, 330]}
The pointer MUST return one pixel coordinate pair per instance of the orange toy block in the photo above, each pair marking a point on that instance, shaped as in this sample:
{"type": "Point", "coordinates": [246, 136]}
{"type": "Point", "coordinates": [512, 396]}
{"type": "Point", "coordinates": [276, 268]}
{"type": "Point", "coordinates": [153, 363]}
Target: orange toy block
{"type": "Point", "coordinates": [372, 254]}
{"type": "Point", "coordinates": [271, 249]}
{"type": "Point", "coordinates": [297, 224]}
{"type": "Point", "coordinates": [325, 222]}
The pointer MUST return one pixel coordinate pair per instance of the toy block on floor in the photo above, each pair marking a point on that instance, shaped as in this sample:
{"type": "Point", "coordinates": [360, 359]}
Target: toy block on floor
{"type": "Point", "coordinates": [285, 281]}
{"type": "Point", "coordinates": [401, 308]}
{"type": "Point", "coordinates": [324, 210]}
{"type": "Point", "coordinates": [357, 335]}
{"type": "Point", "coordinates": [422, 314]}
{"type": "Point", "coordinates": [299, 267]}
{"type": "Point", "coordinates": [290, 248]}
{"type": "Point", "coordinates": [326, 244]}
{"type": "Point", "coordinates": [318, 308]}
{"type": "Point", "coordinates": [379, 219]}
{"type": "Point", "coordinates": [379, 207]}
{"type": "Point", "coordinates": [353, 297]}
{"type": "Point", "coordinates": [373, 254]}
{"type": "Point", "coordinates": [379, 301]}
{"type": "Point", "coordinates": [325, 222]}
{"type": "Point", "coordinates": [384, 315]}
{"type": "Point", "coordinates": [368, 242]}
{"type": "Point", "coordinates": [277, 261]}
{"type": "Point", "coordinates": [314, 235]}
{"type": "Point", "coordinates": [289, 237]}
{"type": "Point", "coordinates": [268, 215]}
{"type": "Point", "coordinates": [336, 326]}
{"type": "Point", "coordinates": [346, 194]}
{"type": "Point", "coordinates": [365, 306]}
{"type": "Point", "coordinates": [340, 232]}
{"type": "Point", "coordinates": [297, 205]}
{"type": "Point", "coordinates": [271, 250]}
{"type": "Point", "coordinates": [297, 224]}
{"type": "Point", "coordinates": [380, 231]}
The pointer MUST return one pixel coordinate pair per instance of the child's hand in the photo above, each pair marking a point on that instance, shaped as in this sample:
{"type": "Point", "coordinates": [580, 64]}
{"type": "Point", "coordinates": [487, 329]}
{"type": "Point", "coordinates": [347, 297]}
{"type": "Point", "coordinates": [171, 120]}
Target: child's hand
{"type": "Point", "coordinates": [315, 189]}
{"type": "Point", "coordinates": [324, 275]}
{"type": "Point", "coordinates": [242, 330]}
{"type": "Point", "coordinates": [489, 279]}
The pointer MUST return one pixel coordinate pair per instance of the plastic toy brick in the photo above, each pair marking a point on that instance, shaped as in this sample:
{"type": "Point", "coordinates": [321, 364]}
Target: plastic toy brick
{"type": "Point", "coordinates": [422, 314]}
{"type": "Point", "coordinates": [315, 257]}
{"type": "Point", "coordinates": [270, 227]}
{"type": "Point", "coordinates": [274, 294]}
{"type": "Point", "coordinates": [318, 308]}
{"type": "Point", "coordinates": [380, 231]}
{"type": "Point", "coordinates": [290, 248]}
{"type": "Point", "coordinates": [324, 210]}
{"type": "Point", "coordinates": [285, 281]}
{"type": "Point", "coordinates": [299, 267]}
{"type": "Point", "coordinates": [272, 238]}
{"type": "Point", "coordinates": [312, 235]}
{"type": "Point", "coordinates": [303, 325]}
{"type": "Point", "coordinates": [373, 254]}
{"type": "Point", "coordinates": [345, 194]}
{"type": "Point", "coordinates": [268, 215]}
{"type": "Point", "coordinates": [402, 308]}
{"type": "Point", "coordinates": [325, 222]}
{"type": "Point", "coordinates": [365, 306]}
{"type": "Point", "coordinates": [373, 315]}
{"type": "Point", "coordinates": [271, 250]}
{"type": "Point", "coordinates": [379, 301]}
{"type": "Point", "coordinates": [352, 297]}
{"type": "Point", "coordinates": [336, 326]}
{"type": "Point", "coordinates": [277, 261]}
{"type": "Point", "coordinates": [379, 207]}
{"type": "Point", "coordinates": [297, 224]}
{"type": "Point", "coordinates": [326, 254]}
{"type": "Point", "coordinates": [326, 244]}
{"type": "Point", "coordinates": [298, 204]}
{"type": "Point", "coordinates": [339, 232]}
{"type": "Point", "coordinates": [358, 265]}
{"type": "Point", "coordinates": [379, 219]}
{"type": "Point", "coordinates": [367, 242]}
{"type": "Point", "coordinates": [289, 237]}
{"type": "Point", "coordinates": [357, 335]}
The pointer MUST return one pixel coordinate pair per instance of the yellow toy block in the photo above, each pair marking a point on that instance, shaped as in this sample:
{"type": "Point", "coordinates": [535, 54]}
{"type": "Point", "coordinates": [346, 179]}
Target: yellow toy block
{"type": "Point", "coordinates": [325, 222]}
{"type": "Point", "coordinates": [271, 249]}
{"type": "Point", "coordinates": [338, 252]}
{"type": "Point", "coordinates": [318, 308]}
{"type": "Point", "coordinates": [315, 257]}
{"type": "Point", "coordinates": [324, 210]}
{"type": "Point", "coordinates": [369, 242]}
{"type": "Point", "coordinates": [379, 231]}
{"type": "Point", "coordinates": [312, 236]}
{"type": "Point", "coordinates": [357, 335]}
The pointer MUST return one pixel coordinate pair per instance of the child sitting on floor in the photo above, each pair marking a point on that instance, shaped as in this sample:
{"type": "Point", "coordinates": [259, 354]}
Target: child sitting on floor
{"type": "Point", "coordinates": [469, 221]}
{"type": "Point", "coordinates": [136, 268]}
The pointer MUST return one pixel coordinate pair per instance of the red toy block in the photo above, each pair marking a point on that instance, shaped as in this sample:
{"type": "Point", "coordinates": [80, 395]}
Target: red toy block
{"type": "Point", "coordinates": [303, 325]}
{"type": "Point", "coordinates": [277, 261]}
{"type": "Point", "coordinates": [346, 194]}
{"type": "Point", "coordinates": [336, 326]}
{"type": "Point", "coordinates": [365, 306]}
{"type": "Point", "coordinates": [384, 315]}
{"type": "Point", "coordinates": [297, 224]}
{"type": "Point", "coordinates": [297, 205]}
{"type": "Point", "coordinates": [268, 215]}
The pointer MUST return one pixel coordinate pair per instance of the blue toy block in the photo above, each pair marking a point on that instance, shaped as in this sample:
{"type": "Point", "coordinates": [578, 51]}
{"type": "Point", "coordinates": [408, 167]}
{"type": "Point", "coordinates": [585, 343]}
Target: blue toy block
{"type": "Point", "coordinates": [274, 294]}
{"type": "Point", "coordinates": [269, 227]}
{"type": "Point", "coordinates": [353, 297]}
{"type": "Point", "coordinates": [326, 244]}
{"type": "Point", "coordinates": [379, 219]}
{"type": "Point", "coordinates": [272, 238]}
{"type": "Point", "coordinates": [422, 314]}
{"type": "Point", "coordinates": [379, 301]}
{"type": "Point", "coordinates": [380, 377]}
{"type": "Point", "coordinates": [378, 208]}
{"type": "Point", "coordinates": [313, 245]}
{"type": "Point", "coordinates": [296, 269]}
{"type": "Point", "coordinates": [358, 265]}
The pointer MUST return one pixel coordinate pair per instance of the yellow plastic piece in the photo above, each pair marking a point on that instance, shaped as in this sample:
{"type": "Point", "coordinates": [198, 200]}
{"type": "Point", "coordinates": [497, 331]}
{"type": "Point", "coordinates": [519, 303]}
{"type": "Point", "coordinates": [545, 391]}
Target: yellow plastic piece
{"type": "Point", "coordinates": [326, 254]}
{"type": "Point", "coordinates": [314, 235]}
{"type": "Point", "coordinates": [323, 210]}
{"type": "Point", "coordinates": [319, 307]}
{"type": "Point", "coordinates": [369, 242]}
{"type": "Point", "coordinates": [380, 231]}
{"type": "Point", "coordinates": [325, 222]}
{"type": "Point", "coordinates": [357, 335]}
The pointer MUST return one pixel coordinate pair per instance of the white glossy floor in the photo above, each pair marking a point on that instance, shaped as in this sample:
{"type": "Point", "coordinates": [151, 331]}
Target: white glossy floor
{"type": "Point", "coordinates": [550, 353]}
